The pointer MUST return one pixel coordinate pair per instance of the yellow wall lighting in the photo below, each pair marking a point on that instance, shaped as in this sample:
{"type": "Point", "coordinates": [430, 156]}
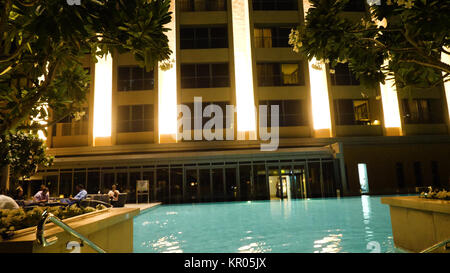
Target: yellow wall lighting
{"type": "Point", "coordinates": [167, 88]}
{"type": "Point", "coordinates": [446, 59]}
{"type": "Point", "coordinates": [391, 110]}
{"type": "Point", "coordinates": [245, 102]}
{"type": "Point", "coordinates": [319, 93]}
{"type": "Point", "coordinates": [103, 101]}
{"type": "Point", "coordinates": [319, 98]}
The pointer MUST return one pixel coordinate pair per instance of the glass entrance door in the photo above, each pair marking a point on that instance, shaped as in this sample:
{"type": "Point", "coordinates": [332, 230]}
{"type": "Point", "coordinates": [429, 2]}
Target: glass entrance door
{"type": "Point", "coordinates": [287, 182]}
{"type": "Point", "coordinates": [299, 189]}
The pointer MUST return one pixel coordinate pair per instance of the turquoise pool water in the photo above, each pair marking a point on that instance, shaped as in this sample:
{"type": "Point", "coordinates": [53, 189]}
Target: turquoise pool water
{"type": "Point", "coordinates": [351, 224]}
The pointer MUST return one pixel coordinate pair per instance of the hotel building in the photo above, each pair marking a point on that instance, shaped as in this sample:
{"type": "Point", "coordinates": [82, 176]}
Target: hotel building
{"type": "Point", "coordinates": [336, 138]}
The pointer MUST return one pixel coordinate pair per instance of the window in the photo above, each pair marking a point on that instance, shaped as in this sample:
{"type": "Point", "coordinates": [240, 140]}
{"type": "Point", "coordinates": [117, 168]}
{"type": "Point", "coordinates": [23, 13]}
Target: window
{"type": "Point", "coordinates": [280, 74]}
{"type": "Point", "coordinates": [221, 104]}
{"type": "Point", "coordinates": [418, 174]}
{"type": "Point", "coordinates": [135, 118]}
{"type": "Point", "coordinates": [291, 112]}
{"type": "Point", "coordinates": [198, 38]}
{"type": "Point", "coordinates": [343, 76]}
{"type": "Point", "coordinates": [355, 112]}
{"type": "Point", "coordinates": [435, 174]}
{"type": "Point", "coordinates": [73, 127]}
{"type": "Point", "coordinates": [355, 5]}
{"type": "Point", "coordinates": [400, 175]}
{"type": "Point", "coordinates": [266, 37]}
{"type": "Point", "coordinates": [363, 179]}
{"type": "Point", "coordinates": [134, 78]}
{"type": "Point", "coordinates": [275, 5]}
{"type": "Point", "coordinates": [202, 5]}
{"type": "Point", "coordinates": [205, 75]}
{"type": "Point", "coordinates": [418, 111]}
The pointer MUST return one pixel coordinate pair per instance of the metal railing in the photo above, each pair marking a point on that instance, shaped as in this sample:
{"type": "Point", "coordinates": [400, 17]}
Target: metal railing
{"type": "Point", "coordinates": [46, 216]}
{"type": "Point", "coordinates": [445, 244]}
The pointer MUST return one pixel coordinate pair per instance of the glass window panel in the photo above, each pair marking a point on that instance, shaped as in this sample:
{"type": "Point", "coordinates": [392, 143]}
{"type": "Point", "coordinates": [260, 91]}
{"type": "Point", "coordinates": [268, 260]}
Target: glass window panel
{"type": "Point", "coordinates": [65, 184]}
{"type": "Point", "coordinates": [162, 185]}
{"type": "Point", "coordinates": [176, 185]}
{"type": "Point", "coordinates": [218, 185]}
{"type": "Point", "coordinates": [93, 185]}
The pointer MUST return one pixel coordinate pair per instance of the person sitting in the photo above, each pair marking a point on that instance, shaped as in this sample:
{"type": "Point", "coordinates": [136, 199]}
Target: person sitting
{"type": "Point", "coordinates": [113, 195]}
{"type": "Point", "coordinates": [7, 202]}
{"type": "Point", "coordinates": [42, 196]}
{"type": "Point", "coordinates": [82, 193]}
{"type": "Point", "coordinates": [18, 193]}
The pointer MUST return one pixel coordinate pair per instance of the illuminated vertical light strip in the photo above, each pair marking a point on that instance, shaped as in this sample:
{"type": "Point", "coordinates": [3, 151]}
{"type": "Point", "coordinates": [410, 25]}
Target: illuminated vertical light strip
{"type": "Point", "coordinates": [103, 101]}
{"type": "Point", "coordinates": [167, 88]}
{"type": "Point", "coordinates": [445, 58]}
{"type": "Point", "coordinates": [37, 119]}
{"type": "Point", "coordinates": [319, 92]}
{"type": "Point", "coordinates": [319, 96]}
{"type": "Point", "coordinates": [391, 108]}
{"type": "Point", "coordinates": [389, 98]}
{"type": "Point", "coordinates": [245, 102]}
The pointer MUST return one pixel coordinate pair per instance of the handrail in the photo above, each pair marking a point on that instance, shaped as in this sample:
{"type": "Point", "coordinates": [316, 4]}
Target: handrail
{"type": "Point", "coordinates": [436, 246]}
{"type": "Point", "coordinates": [46, 216]}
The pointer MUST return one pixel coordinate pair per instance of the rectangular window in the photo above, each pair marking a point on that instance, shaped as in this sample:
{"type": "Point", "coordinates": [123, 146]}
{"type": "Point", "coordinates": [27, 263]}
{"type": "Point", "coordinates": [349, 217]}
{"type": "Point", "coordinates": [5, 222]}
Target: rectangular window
{"type": "Point", "coordinates": [400, 175]}
{"type": "Point", "coordinates": [423, 111]}
{"type": "Point", "coordinates": [202, 5]}
{"type": "Point", "coordinates": [418, 174]}
{"type": "Point", "coordinates": [291, 112]}
{"type": "Point", "coordinates": [221, 104]}
{"type": "Point", "coordinates": [268, 37]}
{"type": "Point", "coordinates": [275, 5]}
{"type": "Point", "coordinates": [355, 112]}
{"type": "Point", "coordinates": [435, 174]}
{"type": "Point", "coordinates": [343, 76]}
{"type": "Point", "coordinates": [355, 5]}
{"type": "Point", "coordinates": [71, 126]}
{"type": "Point", "coordinates": [135, 118]}
{"type": "Point", "coordinates": [134, 78]}
{"type": "Point", "coordinates": [205, 75]}
{"type": "Point", "coordinates": [201, 38]}
{"type": "Point", "coordinates": [280, 74]}
{"type": "Point", "coordinates": [363, 179]}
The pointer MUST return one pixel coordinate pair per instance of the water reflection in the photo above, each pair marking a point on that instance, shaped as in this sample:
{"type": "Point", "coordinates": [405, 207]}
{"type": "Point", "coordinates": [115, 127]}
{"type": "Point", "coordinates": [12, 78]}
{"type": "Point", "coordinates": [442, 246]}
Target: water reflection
{"type": "Point", "coordinates": [329, 244]}
{"type": "Point", "coordinates": [295, 226]}
{"type": "Point", "coordinates": [167, 244]}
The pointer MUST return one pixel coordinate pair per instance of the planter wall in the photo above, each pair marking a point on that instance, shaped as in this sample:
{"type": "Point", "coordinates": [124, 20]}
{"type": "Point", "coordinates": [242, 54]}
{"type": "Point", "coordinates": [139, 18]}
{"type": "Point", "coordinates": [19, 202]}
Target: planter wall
{"type": "Point", "coordinates": [110, 229]}
{"type": "Point", "coordinates": [418, 223]}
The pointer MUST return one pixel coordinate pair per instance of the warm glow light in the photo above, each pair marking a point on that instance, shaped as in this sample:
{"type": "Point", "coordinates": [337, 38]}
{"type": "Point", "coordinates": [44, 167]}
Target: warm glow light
{"type": "Point", "coordinates": [446, 59]}
{"type": "Point", "coordinates": [319, 95]}
{"type": "Point", "coordinates": [38, 119]}
{"type": "Point", "coordinates": [103, 97]}
{"type": "Point", "coordinates": [390, 103]}
{"type": "Point", "coordinates": [245, 102]}
{"type": "Point", "coordinates": [319, 89]}
{"type": "Point", "coordinates": [167, 87]}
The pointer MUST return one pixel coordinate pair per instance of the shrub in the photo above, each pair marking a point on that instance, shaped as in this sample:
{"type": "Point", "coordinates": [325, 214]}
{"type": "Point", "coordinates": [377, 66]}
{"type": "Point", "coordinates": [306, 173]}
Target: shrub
{"type": "Point", "coordinates": [12, 220]}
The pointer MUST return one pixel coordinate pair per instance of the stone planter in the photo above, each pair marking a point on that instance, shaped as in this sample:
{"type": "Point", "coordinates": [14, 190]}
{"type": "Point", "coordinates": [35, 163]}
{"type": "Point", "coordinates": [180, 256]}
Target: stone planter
{"type": "Point", "coordinates": [110, 229]}
{"type": "Point", "coordinates": [418, 223]}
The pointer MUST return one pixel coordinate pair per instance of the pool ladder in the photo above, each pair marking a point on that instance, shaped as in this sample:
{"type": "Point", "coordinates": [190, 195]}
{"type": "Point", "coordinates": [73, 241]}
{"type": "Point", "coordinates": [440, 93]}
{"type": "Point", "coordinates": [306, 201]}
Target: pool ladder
{"type": "Point", "coordinates": [445, 244]}
{"type": "Point", "coordinates": [46, 216]}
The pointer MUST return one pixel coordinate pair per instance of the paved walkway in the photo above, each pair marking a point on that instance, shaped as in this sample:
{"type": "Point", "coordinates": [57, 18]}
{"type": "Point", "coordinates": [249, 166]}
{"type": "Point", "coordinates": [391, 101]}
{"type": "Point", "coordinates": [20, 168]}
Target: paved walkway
{"type": "Point", "coordinates": [142, 207]}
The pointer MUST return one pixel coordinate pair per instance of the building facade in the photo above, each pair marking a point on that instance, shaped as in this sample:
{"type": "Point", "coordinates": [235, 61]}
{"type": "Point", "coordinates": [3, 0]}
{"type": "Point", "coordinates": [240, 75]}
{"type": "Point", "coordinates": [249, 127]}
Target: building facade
{"type": "Point", "coordinates": [335, 137]}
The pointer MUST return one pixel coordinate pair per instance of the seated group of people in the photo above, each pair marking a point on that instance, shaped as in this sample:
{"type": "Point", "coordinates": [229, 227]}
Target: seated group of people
{"type": "Point", "coordinates": [43, 196]}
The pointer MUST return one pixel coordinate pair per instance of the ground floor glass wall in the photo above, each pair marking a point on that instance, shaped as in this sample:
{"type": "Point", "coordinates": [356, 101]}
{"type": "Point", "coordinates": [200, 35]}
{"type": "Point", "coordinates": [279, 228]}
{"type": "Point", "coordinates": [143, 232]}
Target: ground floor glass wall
{"type": "Point", "coordinates": [202, 182]}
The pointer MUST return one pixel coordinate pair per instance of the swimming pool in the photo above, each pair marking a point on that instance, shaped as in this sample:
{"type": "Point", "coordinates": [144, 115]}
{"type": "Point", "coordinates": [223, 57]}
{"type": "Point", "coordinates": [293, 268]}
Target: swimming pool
{"type": "Point", "coordinates": [351, 224]}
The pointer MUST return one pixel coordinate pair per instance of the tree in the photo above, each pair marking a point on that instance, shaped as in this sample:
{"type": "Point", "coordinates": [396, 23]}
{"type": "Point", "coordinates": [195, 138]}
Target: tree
{"type": "Point", "coordinates": [42, 42]}
{"type": "Point", "coordinates": [23, 152]}
{"type": "Point", "coordinates": [410, 34]}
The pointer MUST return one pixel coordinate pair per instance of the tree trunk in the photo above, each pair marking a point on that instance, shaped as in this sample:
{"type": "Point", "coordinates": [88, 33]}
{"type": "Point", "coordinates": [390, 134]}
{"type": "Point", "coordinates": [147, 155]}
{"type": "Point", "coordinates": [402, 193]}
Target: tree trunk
{"type": "Point", "coordinates": [4, 182]}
